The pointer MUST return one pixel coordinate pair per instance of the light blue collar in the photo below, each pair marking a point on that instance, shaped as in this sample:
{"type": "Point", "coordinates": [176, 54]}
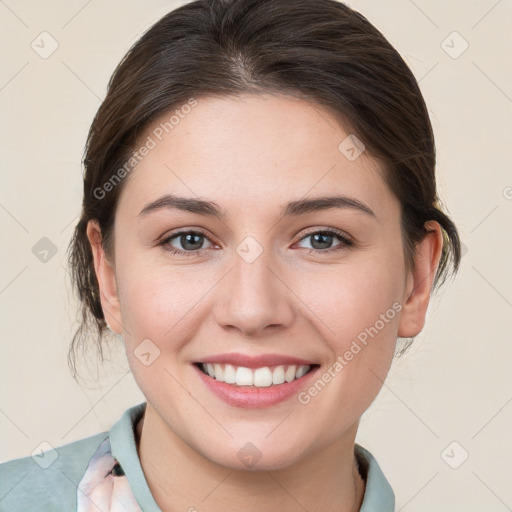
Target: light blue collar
{"type": "Point", "coordinates": [378, 494]}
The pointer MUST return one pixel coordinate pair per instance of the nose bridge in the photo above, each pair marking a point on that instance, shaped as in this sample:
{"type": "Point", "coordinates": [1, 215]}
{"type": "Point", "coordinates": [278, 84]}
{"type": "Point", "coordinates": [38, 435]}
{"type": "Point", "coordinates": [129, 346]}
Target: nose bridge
{"type": "Point", "coordinates": [253, 296]}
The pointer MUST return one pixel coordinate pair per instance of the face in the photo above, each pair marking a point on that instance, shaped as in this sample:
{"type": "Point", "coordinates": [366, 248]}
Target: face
{"type": "Point", "coordinates": [253, 271]}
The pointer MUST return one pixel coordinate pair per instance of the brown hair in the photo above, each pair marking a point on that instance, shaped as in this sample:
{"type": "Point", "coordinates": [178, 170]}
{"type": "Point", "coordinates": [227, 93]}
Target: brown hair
{"type": "Point", "coordinates": [319, 50]}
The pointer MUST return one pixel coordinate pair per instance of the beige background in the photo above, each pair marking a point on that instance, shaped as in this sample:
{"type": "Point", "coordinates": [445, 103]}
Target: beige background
{"type": "Point", "coordinates": [454, 384]}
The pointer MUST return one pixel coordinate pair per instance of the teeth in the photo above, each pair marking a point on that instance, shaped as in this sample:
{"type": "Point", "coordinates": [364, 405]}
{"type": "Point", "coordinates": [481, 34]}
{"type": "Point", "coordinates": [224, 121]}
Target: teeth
{"type": "Point", "coordinates": [229, 374]}
{"type": "Point", "coordinates": [244, 377]}
{"type": "Point", "coordinates": [301, 371]}
{"type": "Point", "coordinates": [259, 377]}
{"type": "Point", "coordinates": [219, 371]}
{"type": "Point", "coordinates": [290, 373]}
{"type": "Point", "coordinates": [278, 375]}
{"type": "Point", "coordinates": [263, 377]}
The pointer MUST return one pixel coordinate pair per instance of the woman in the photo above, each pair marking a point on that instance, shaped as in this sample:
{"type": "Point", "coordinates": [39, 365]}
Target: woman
{"type": "Point", "coordinates": [260, 222]}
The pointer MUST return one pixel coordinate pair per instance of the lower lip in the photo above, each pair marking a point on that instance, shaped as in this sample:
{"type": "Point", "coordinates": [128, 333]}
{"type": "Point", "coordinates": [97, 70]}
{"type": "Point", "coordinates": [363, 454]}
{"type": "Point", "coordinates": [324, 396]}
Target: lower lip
{"type": "Point", "coordinates": [254, 397]}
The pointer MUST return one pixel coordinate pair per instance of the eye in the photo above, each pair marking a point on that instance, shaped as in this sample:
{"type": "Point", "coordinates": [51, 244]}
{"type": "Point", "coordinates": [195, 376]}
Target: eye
{"type": "Point", "coordinates": [321, 241]}
{"type": "Point", "coordinates": [191, 242]}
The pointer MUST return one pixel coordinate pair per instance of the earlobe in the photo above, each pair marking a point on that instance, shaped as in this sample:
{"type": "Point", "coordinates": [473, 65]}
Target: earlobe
{"type": "Point", "coordinates": [420, 281]}
{"type": "Point", "coordinates": [105, 274]}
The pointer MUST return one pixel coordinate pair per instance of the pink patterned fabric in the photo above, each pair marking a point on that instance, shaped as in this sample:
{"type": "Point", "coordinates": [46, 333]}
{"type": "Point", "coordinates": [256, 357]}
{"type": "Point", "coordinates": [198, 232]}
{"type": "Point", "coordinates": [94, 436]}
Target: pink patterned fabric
{"type": "Point", "coordinates": [104, 486]}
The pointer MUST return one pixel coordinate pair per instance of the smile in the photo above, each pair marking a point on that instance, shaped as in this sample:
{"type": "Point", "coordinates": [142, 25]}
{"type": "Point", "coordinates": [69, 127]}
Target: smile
{"type": "Point", "coordinates": [262, 377]}
{"type": "Point", "coordinates": [254, 382]}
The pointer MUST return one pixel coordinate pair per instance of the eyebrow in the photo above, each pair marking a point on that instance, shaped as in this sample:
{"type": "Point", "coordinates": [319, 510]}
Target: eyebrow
{"type": "Point", "coordinates": [294, 208]}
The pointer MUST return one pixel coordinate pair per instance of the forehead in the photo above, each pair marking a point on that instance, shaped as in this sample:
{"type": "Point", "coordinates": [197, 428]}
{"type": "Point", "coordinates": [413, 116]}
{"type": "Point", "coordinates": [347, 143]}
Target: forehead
{"type": "Point", "coordinates": [252, 150]}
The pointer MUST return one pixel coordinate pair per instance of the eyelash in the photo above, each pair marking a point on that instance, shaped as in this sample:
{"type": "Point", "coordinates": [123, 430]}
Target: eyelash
{"type": "Point", "coordinates": [346, 242]}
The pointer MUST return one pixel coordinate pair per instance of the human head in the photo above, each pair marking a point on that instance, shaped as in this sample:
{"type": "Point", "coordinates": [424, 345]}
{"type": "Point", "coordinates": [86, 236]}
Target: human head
{"type": "Point", "coordinates": [322, 52]}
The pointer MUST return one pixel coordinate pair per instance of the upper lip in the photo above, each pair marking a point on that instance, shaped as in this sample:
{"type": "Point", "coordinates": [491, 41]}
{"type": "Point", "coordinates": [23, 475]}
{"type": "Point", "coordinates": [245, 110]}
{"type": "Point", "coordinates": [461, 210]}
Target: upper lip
{"type": "Point", "coordinates": [248, 361]}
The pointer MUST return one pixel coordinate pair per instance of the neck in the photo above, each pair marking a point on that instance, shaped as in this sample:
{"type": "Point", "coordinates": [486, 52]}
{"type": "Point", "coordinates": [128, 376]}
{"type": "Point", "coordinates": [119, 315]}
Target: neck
{"type": "Point", "coordinates": [181, 479]}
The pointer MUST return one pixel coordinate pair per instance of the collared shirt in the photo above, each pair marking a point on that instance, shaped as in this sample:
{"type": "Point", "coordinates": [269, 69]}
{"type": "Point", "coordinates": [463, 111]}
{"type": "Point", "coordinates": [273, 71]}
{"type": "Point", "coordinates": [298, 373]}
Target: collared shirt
{"type": "Point", "coordinates": [103, 473]}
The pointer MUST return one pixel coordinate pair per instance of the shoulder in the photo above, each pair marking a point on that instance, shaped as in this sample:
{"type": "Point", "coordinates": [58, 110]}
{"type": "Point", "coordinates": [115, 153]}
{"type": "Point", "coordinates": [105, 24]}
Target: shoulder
{"type": "Point", "coordinates": [46, 481]}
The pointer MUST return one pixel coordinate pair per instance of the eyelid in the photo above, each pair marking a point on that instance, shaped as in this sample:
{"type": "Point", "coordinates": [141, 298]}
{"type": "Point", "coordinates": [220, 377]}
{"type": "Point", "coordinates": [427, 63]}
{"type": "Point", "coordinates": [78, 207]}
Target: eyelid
{"type": "Point", "coordinates": [181, 231]}
{"type": "Point", "coordinates": [326, 229]}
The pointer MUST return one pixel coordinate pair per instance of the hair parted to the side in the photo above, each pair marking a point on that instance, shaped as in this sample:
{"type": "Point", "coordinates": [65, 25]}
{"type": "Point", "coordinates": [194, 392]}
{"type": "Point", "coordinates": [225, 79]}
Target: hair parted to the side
{"type": "Point", "coordinates": [319, 50]}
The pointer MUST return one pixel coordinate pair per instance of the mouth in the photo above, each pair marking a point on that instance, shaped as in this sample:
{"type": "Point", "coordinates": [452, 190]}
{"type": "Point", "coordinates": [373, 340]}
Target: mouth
{"type": "Point", "coordinates": [261, 377]}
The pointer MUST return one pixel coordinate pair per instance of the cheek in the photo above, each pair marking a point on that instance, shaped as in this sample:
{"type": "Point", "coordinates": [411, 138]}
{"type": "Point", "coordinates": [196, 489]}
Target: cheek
{"type": "Point", "coordinates": [154, 300]}
{"type": "Point", "coordinates": [163, 303]}
{"type": "Point", "coordinates": [156, 304]}
{"type": "Point", "coordinates": [361, 306]}
{"type": "Point", "coordinates": [361, 311]}
{"type": "Point", "coordinates": [350, 300]}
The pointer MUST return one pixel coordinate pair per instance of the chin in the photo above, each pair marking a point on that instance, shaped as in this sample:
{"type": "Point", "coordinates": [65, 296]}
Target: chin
{"type": "Point", "coordinates": [249, 456]}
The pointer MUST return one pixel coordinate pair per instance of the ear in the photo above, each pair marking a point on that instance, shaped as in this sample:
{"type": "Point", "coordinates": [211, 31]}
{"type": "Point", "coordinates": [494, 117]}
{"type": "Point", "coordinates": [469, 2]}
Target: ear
{"type": "Point", "coordinates": [420, 280]}
{"type": "Point", "coordinates": [105, 274]}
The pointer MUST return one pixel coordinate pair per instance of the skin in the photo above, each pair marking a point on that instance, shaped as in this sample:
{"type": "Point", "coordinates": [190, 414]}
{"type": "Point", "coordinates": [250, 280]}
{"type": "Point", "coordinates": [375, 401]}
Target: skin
{"type": "Point", "coordinates": [251, 155]}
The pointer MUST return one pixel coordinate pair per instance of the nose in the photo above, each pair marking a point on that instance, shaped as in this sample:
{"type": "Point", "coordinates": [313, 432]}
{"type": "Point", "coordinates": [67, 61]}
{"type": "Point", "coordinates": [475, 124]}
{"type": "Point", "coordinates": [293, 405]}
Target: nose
{"type": "Point", "coordinates": [254, 298]}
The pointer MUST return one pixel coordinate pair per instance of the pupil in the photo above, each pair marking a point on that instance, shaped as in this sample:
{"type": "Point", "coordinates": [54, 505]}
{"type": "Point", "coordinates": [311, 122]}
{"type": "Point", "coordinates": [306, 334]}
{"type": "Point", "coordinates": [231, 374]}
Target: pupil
{"type": "Point", "coordinates": [186, 239]}
{"type": "Point", "coordinates": [325, 240]}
